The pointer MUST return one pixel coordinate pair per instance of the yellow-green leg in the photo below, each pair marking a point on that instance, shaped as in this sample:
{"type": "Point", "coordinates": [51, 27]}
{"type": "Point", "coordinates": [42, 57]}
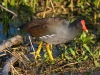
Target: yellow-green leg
{"type": "Point", "coordinates": [49, 52]}
{"type": "Point", "coordinates": [39, 49]}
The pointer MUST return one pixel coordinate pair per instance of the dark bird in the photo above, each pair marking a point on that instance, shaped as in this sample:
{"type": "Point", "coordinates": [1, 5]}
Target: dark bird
{"type": "Point", "coordinates": [54, 30]}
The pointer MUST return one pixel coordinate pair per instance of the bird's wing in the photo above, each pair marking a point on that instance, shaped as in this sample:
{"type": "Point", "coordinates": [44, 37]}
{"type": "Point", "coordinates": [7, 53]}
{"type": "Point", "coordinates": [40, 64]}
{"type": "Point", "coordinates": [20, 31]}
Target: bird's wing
{"type": "Point", "coordinates": [42, 27]}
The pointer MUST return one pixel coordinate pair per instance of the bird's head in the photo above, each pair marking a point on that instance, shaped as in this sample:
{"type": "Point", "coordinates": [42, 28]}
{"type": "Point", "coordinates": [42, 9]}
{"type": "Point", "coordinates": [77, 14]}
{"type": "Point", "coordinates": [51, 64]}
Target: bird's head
{"type": "Point", "coordinates": [80, 24]}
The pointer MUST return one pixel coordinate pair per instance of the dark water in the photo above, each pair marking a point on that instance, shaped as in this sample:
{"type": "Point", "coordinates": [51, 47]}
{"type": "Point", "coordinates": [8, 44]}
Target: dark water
{"type": "Point", "coordinates": [2, 36]}
{"type": "Point", "coordinates": [13, 31]}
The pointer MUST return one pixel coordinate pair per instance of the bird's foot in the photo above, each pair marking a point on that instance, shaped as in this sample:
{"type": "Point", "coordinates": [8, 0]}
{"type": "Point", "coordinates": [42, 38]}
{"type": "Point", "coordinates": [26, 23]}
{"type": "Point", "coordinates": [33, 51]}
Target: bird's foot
{"type": "Point", "coordinates": [49, 52]}
{"type": "Point", "coordinates": [38, 50]}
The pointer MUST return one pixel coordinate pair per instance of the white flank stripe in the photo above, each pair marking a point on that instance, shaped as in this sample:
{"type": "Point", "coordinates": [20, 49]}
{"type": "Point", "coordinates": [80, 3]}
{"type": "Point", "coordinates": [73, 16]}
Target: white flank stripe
{"type": "Point", "coordinates": [49, 36]}
{"type": "Point", "coordinates": [52, 34]}
{"type": "Point", "coordinates": [40, 37]}
{"type": "Point", "coordinates": [44, 37]}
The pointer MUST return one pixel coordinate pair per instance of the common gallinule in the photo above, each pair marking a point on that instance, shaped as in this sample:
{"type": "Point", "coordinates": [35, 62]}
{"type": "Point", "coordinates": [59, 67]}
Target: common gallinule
{"type": "Point", "coordinates": [54, 30]}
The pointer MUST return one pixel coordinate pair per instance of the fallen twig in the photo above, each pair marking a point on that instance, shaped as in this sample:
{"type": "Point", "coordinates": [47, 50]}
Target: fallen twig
{"type": "Point", "coordinates": [10, 42]}
{"type": "Point", "coordinates": [9, 10]}
{"type": "Point", "coordinates": [7, 65]}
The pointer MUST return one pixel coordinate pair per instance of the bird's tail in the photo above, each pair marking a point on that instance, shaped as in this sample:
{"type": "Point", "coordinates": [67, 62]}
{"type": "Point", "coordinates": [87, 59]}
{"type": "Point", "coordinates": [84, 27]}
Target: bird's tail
{"type": "Point", "coordinates": [21, 27]}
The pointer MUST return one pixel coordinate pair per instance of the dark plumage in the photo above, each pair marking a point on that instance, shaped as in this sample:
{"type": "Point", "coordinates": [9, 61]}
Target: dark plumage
{"type": "Point", "coordinates": [54, 30]}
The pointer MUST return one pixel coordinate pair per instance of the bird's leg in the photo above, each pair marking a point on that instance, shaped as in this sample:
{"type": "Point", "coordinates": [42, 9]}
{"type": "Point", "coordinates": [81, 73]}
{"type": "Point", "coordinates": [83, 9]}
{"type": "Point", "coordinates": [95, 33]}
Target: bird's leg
{"type": "Point", "coordinates": [49, 52]}
{"type": "Point", "coordinates": [38, 50]}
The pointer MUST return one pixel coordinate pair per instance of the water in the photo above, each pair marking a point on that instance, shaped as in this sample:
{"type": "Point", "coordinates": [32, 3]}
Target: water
{"type": "Point", "coordinates": [13, 31]}
{"type": "Point", "coordinates": [2, 36]}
